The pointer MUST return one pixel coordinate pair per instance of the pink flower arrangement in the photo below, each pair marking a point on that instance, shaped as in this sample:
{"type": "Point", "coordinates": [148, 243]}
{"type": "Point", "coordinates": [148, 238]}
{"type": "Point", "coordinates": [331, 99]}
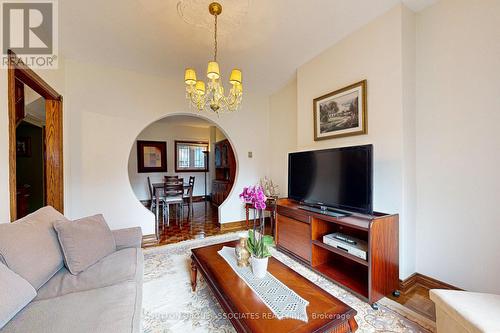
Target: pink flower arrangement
{"type": "Point", "coordinates": [258, 243]}
{"type": "Point", "coordinates": [254, 195]}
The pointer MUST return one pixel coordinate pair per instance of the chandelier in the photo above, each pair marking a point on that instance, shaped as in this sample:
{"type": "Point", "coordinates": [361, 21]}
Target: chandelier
{"type": "Point", "coordinates": [211, 96]}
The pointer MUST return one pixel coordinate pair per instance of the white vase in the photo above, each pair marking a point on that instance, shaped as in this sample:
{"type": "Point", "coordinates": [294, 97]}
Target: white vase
{"type": "Point", "coordinates": [259, 267]}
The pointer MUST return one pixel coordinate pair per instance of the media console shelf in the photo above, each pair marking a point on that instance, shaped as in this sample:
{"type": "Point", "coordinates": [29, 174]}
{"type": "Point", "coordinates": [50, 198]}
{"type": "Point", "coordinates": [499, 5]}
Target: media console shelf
{"type": "Point", "coordinates": [299, 233]}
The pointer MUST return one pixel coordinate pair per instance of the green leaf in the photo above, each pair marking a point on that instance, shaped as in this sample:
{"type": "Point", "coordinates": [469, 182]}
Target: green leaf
{"type": "Point", "coordinates": [250, 235]}
{"type": "Point", "coordinates": [251, 242]}
{"type": "Point", "coordinates": [268, 240]}
{"type": "Point", "coordinates": [259, 247]}
{"type": "Point", "coordinates": [266, 253]}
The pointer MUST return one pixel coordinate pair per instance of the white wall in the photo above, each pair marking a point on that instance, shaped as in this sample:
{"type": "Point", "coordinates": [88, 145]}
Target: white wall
{"type": "Point", "coordinates": [283, 133]}
{"type": "Point", "coordinates": [167, 130]}
{"type": "Point", "coordinates": [408, 144]}
{"type": "Point", "coordinates": [109, 107]}
{"type": "Point", "coordinates": [458, 143]}
{"type": "Point", "coordinates": [373, 53]}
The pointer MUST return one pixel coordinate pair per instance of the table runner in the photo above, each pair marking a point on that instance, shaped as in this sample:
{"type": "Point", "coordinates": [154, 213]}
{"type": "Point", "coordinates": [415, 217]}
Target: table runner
{"type": "Point", "coordinates": [281, 300]}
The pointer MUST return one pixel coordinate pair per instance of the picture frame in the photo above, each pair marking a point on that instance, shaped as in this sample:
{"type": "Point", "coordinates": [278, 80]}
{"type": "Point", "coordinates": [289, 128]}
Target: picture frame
{"type": "Point", "coordinates": [23, 146]}
{"type": "Point", "coordinates": [341, 113]}
{"type": "Point", "coordinates": [151, 156]}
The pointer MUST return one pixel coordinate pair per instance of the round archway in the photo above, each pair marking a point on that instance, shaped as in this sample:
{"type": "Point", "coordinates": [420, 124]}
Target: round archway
{"type": "Point", "coordinates": [192, 149]}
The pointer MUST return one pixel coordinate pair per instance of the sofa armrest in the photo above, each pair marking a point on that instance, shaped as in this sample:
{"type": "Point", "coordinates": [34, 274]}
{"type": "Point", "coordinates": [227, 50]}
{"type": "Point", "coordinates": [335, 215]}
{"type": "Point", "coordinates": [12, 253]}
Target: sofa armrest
{"type": "Point", "coordinates": [129, 237]}
{"type": "Point", "coordinates": [474, 312]}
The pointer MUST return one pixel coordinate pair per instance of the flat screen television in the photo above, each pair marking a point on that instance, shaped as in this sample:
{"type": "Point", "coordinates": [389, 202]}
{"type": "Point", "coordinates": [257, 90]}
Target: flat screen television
{"type": "Point", "coordinates": [339, 178]}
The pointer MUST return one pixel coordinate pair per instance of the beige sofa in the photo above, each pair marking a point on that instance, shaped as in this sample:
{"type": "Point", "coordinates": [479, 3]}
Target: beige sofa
{"type": "Point", "coordinates": [466, 312]}
{"type": "Point", "coordinates": [106, 297]}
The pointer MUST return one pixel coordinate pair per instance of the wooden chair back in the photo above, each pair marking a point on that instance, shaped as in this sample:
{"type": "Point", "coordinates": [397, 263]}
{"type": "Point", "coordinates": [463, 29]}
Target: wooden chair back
{"type": "Point", "coordinates": [174, 188]}
{"type": "Point", "coordinates": [171, 178]}
{"type": "Point", "coordinates": [189, 192]}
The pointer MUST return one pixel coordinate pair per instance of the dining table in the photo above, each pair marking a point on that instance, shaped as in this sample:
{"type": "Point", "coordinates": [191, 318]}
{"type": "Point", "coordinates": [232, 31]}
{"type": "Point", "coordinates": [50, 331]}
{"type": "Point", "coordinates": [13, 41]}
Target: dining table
{"type": "Point", "coordinates": [159, 191]}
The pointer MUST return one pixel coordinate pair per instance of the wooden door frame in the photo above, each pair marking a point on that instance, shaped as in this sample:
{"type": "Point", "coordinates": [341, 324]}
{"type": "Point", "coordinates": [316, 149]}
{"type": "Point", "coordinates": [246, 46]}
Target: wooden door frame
{"type": "Point", "coordinates": [54, 181]}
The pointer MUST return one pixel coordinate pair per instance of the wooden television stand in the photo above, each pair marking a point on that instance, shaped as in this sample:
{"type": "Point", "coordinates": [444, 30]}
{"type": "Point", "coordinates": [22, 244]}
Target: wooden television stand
{"type": "Point", "coordinates": [299, 233]}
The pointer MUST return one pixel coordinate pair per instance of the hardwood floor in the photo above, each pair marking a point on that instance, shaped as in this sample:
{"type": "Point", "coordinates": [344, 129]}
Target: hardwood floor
{"type": "Point", "coordinates": [205, 223]}
{"type": "Point", "coordinates": [417, 299]}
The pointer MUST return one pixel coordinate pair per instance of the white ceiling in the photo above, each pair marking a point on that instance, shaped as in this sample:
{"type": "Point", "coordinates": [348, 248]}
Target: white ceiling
{"type": "Point", "coordinates": [267, 39]}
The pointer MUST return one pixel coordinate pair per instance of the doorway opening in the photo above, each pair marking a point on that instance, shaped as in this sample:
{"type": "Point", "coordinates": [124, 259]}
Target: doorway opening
{"type": "Point", "coordinates": [35, 141]}
{"type": "Point", "coordinates": [30, 151]}
{"type": "Point", "coordinates": [193, 152]}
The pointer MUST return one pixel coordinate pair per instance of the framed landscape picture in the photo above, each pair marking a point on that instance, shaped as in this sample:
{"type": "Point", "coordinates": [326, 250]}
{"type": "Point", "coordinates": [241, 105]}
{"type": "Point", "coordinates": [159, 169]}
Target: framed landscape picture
{"type": "Point", "coordinates": [341, 113]}
{"type": "Point", "coordinates": [151, 156]}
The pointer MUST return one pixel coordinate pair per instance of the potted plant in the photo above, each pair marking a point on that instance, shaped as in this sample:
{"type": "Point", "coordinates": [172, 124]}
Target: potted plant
{"type": "Point", "coordinates": [258, 243]}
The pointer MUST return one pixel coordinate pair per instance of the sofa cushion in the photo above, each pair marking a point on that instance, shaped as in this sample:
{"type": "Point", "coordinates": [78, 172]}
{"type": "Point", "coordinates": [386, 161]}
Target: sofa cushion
{"type": "Point", "coordinates": [29, 246]}
{"type": "Point", "coordinates": [129, 237]}
{"type": "Point", "coordinates": [475, 312]}
{"type": "Point", "coordinates": [15, 294]}
{"type": "Point", "coordinates": [84, 242]}
{"type": "Point", "coordinates": [120, 266]}
{"type": "Point", "coordinates": [110, 309]}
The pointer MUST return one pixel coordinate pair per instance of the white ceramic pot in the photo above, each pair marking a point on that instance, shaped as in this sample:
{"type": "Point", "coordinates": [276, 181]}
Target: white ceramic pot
{"type": "Point", "coordinates": [259, 267]}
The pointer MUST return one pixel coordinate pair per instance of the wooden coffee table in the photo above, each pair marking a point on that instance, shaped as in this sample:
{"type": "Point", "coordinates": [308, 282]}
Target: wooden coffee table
{"type": "Point", "coordinates": [248, 313]}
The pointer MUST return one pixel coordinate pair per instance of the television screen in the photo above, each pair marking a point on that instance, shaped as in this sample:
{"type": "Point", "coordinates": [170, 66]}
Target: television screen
{"type": "Point", "coordinates": [338, 178]}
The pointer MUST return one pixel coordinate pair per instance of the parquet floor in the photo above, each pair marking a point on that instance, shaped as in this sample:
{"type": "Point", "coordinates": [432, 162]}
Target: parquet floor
{"type": "Point", "coordinates": [202, 224]}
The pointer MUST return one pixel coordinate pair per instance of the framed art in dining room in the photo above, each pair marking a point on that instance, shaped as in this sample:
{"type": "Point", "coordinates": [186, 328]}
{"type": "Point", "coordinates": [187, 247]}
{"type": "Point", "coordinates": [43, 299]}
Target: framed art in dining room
{"type": "Point", "coordinates": [341, 113]}
{"type": "Point", "coordinates": [151, 156]}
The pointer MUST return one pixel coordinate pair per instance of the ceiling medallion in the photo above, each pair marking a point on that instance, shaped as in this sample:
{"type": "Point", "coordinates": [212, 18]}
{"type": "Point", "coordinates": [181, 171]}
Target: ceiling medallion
{"type": "Point", "coordinates": [193, 13]}
{"type": "Point", "coordinates": [211, 96]}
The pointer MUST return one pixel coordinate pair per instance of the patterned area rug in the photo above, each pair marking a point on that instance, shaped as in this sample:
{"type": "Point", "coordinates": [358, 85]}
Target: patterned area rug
{"type": "Point", "coordinates": [170, 306]}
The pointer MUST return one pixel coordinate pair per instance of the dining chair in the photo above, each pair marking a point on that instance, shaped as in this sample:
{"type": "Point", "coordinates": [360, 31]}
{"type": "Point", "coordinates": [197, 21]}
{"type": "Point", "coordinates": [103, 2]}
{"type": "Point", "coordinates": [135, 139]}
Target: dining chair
{"type": "Point", "coordinates": [191, 180]}
{"type": "Point", "coordinates": [173, 191]}
{"type": "Point", "coordinates": [152, 197]}
{"type": "Point", "coordinates": [171, 178]}
{"type": "Point", "coordinates": [188, 197]}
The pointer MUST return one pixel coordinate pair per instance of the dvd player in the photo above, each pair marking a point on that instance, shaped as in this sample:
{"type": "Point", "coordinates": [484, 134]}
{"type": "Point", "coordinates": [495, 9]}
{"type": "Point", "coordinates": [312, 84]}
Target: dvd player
{"type": "Point", "coordinates": [351, 245]}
